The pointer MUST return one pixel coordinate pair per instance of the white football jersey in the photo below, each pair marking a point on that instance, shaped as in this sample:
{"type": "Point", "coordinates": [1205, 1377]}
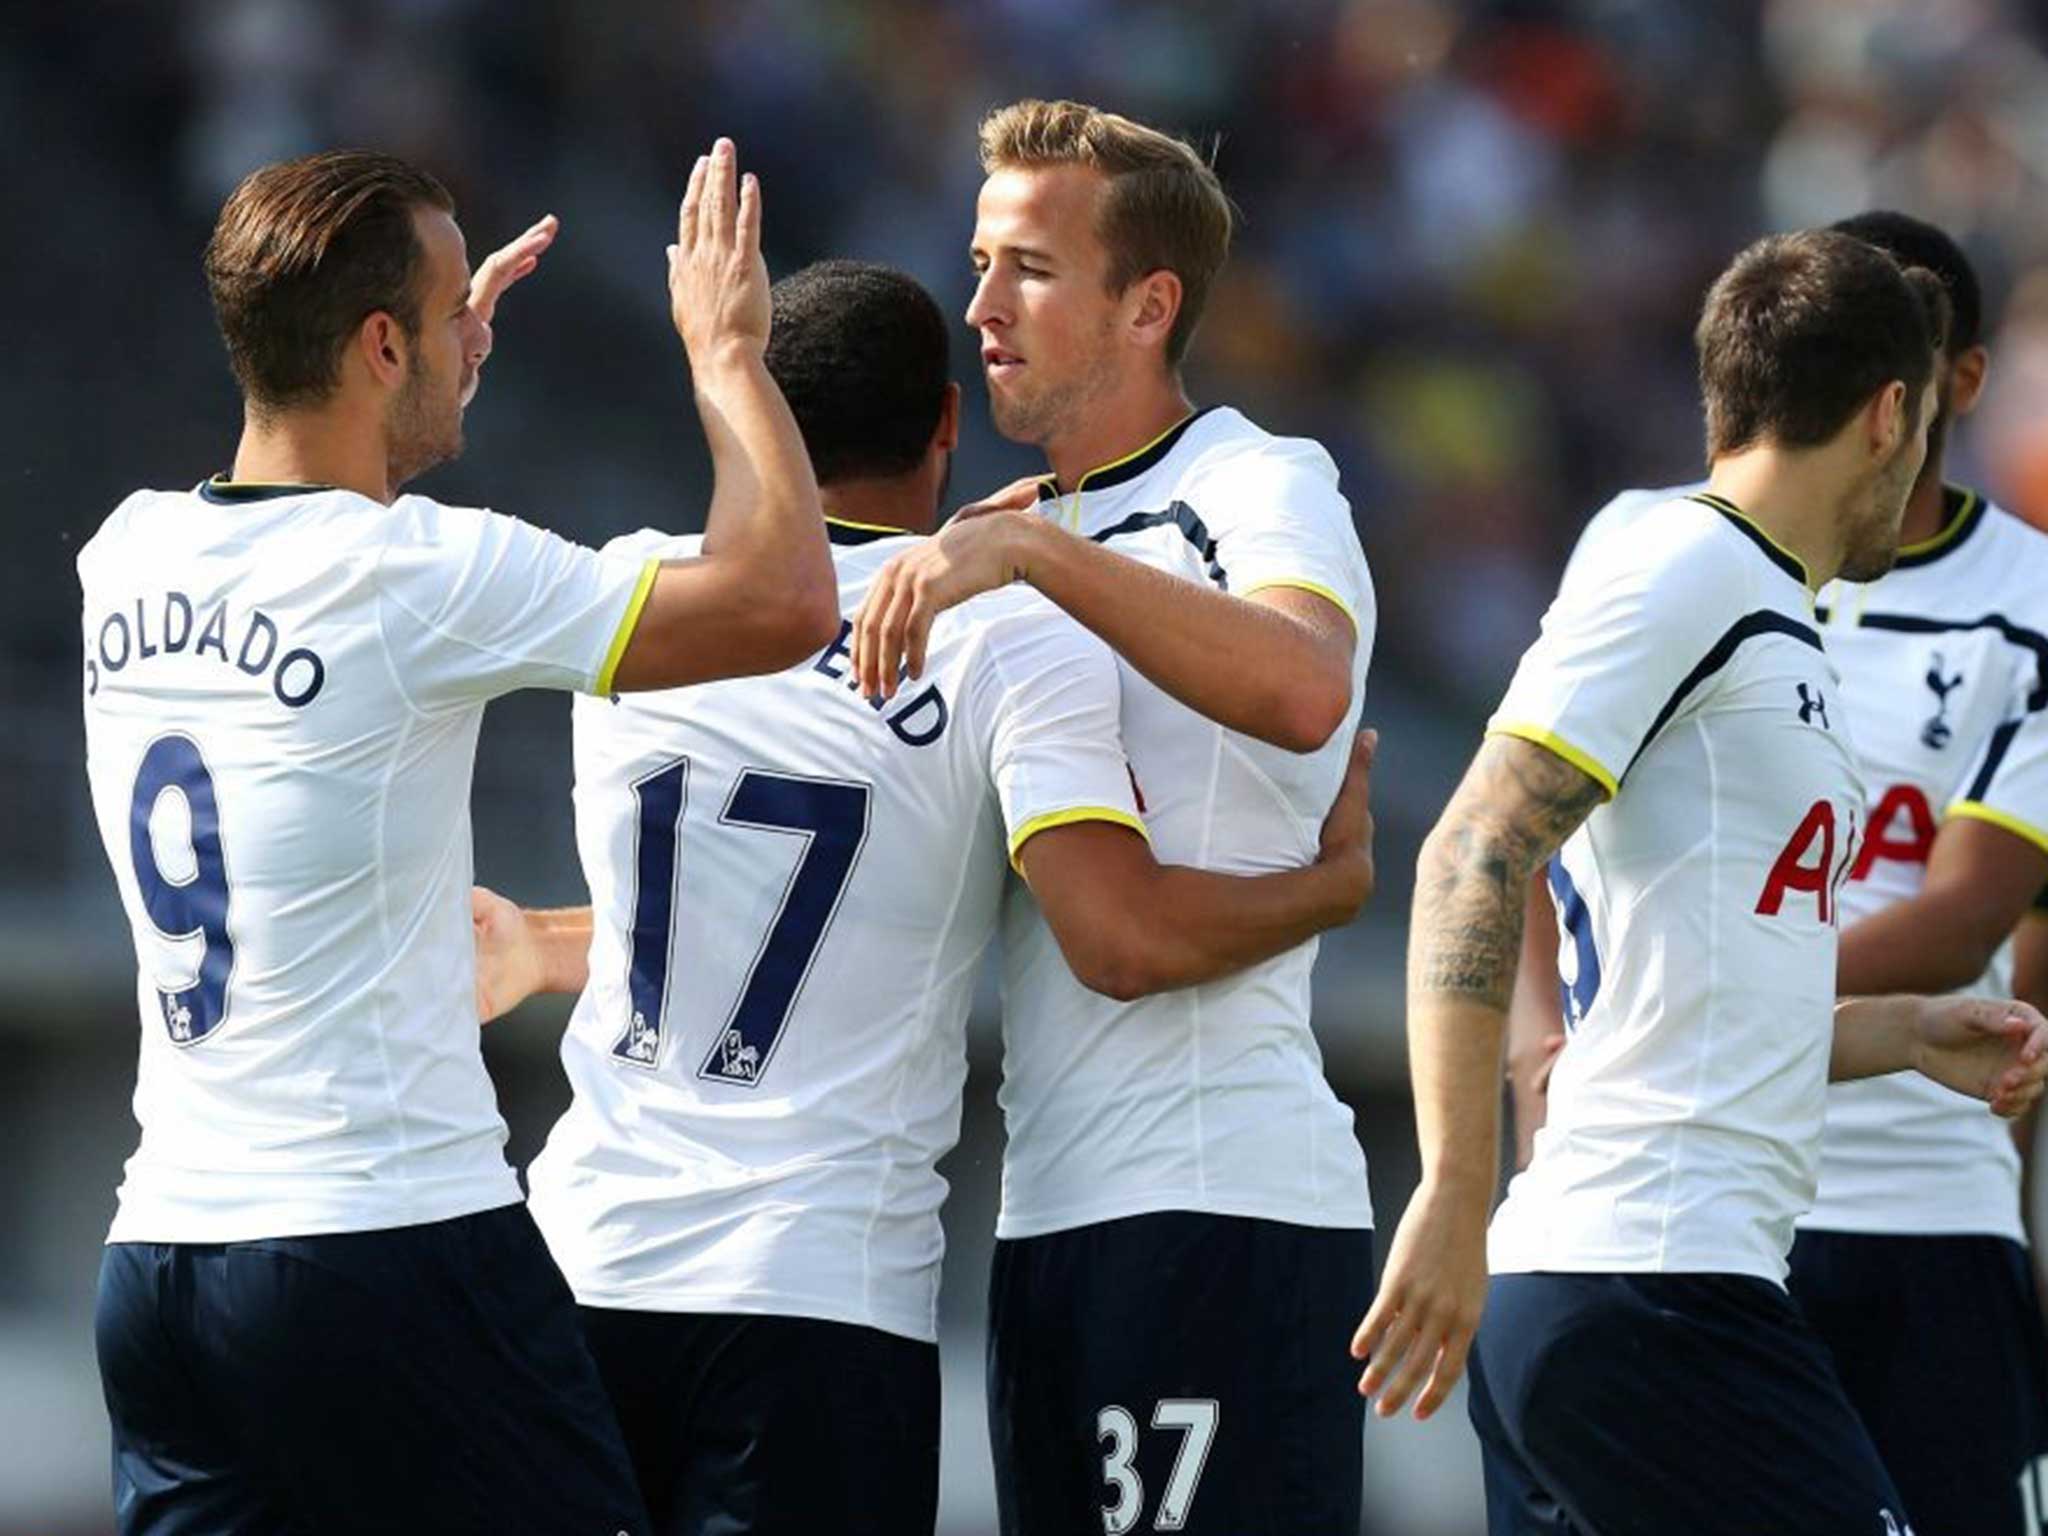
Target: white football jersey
{"type": "Point", "coordinates": [282, 692]}
{"type": "Point", "coordinates": [1209, 1098]}
{"type": "Point", "coordinates": [1944, 664]}
{"type": "Point", "coordinates": [1680, 667]}
{"type": "Point", "coordinates": [792, 889]}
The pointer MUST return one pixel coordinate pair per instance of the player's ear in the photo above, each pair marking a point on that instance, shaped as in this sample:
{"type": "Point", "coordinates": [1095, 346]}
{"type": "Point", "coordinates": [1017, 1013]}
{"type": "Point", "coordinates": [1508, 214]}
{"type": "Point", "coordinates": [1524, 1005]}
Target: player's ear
{"type": "Point", "coordinates": [1154, 305]}
{"type": "Point", "coordinates": [946, 435]}
{"type": "Point", "coordinates": [1887, 419]}
{"type": "Point", "coordinates": [382, 346]}
{"type": "Point", "coordinates": [1966, 376]}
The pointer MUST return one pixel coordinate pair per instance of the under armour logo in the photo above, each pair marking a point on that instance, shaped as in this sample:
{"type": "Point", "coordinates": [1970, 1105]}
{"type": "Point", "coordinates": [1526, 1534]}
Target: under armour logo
{"type": "Point", "coordinates": [1936, 733]}
{"type": "Point", "coordinates": [1812, 703]}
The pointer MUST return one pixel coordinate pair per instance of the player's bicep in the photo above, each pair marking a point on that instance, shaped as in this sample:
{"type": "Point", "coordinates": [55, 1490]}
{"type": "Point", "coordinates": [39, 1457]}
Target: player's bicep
{"type": "Point", "coordinates": [1515, 807]}
{"type": "Point", "coordinates": [1992, 869]}
{"type": "Point", "coordinates": [1318, 611]}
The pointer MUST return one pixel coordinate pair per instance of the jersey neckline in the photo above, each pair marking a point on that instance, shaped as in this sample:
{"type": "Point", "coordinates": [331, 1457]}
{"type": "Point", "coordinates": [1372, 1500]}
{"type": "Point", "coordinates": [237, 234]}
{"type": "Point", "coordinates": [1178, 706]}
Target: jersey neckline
{"type": "Point", "coordinates": [225, 492]}
{"type": "Point", "coordinates": [839, 531]}
{"type": "Point", "coordinates": [1743, 524]}
{"type": "Point", "coordinates": [1130, 466]}
{"type": "Point", "coordinates": [1964, 510]}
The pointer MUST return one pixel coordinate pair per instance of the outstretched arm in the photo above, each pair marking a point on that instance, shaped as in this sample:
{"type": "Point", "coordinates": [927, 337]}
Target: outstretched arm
{"type": "Point", "coordinates": [1130, 926]}
{"type": "Point", "coordinates": [1985, 1047]}
{"type": "Point", "coordinates": [763, 594]}
{"type": "Point", "coordinates": [1516, 806]}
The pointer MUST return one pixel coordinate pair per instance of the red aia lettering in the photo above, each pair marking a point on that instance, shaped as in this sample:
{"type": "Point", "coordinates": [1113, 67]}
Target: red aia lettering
{"type": "Point", "coordinates": [1911, 848]}
{"type": "Point", "coordinates": [1792, 872]}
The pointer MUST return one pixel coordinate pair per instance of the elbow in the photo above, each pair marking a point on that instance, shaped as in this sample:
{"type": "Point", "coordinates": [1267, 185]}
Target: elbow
{"type": "Point", "coordinates": [1310, 712]}
{"type": "Point", "coordinates": [1116, 968]}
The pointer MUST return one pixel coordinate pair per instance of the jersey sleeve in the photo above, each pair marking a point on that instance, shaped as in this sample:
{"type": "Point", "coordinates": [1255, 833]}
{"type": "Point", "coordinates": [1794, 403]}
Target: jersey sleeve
{"type": "Point", "coordinates": [477, 604]}
{"type": "Point", "coordinates": [1621, 650]}
{"type": "Point", "coordinates": [2008, 784]}
{"type": "Point", "coordinates": [1279, 521]}
{"type": "Point", "coordinates": [1051, 699]}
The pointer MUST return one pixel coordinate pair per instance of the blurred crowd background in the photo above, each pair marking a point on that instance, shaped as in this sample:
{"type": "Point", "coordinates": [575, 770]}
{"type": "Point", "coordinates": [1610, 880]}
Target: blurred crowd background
{"type": "Point", "coordinates": [1475, 236]}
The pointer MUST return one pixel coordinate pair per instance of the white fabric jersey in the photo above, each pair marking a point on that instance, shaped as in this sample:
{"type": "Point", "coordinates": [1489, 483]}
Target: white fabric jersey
{"type": "Point", "coordinates": [792, 890]}
{"type": "Point", "coordinates": [1944, 664]}
{"type": "Point", "coordinates": [1210, 1098]}
{"type": "Point", "coordinates": [1680, 667]}
{"type": "Point", "coordinates": [282, 694]}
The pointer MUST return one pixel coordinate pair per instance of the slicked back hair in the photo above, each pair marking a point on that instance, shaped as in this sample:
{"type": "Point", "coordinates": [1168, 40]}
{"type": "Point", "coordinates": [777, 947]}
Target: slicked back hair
{"type": "Point", "coordinates": [1802, 329]}
{"type": "Point", "coordinates": [1164, 209]}
{"type": "Point", "coordinates": [860, 353]}
{"type": "Point", "coordinates": [303, 252]}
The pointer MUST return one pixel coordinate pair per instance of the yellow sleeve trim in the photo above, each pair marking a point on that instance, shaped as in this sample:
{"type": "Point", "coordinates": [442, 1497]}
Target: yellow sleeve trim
{"type": "Point", "coordinates": [1305, 586]}
{"type": "Point", "coordinates": [1584, 761]}
{"type": "Point", "coordinates": [1051, 819]}
{"type": "Point", "coordinates": [1977, 810]}
{"type": "Point", "coordinates": [623, 635]}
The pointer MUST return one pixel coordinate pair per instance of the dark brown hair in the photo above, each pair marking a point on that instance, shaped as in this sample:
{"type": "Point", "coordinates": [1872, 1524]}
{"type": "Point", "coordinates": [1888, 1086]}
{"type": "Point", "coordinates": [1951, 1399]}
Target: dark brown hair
{"type": "Point", "coordinates": [303, 252]}
{"type": "Point", "coordinates": [1165, 208]}
{"type": "Point", "coordinates": [1803, 329]}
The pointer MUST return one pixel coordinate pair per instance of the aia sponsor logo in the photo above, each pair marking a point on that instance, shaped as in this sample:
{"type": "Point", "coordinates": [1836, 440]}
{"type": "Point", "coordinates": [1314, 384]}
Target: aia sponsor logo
{"type": "Point", "coordinates": [1808, 864]}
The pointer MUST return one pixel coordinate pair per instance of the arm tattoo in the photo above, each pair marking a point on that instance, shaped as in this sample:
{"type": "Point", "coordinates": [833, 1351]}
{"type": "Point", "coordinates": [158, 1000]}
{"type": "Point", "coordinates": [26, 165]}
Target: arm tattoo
{"type": "Point", "coordinates": [1516, 806]}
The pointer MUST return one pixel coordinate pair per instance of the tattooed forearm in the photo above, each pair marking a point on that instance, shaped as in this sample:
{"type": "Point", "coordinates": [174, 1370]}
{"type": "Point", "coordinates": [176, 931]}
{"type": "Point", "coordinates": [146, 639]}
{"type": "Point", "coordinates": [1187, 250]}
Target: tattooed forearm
{"type": "Point", "coordinates": [1516, 806]}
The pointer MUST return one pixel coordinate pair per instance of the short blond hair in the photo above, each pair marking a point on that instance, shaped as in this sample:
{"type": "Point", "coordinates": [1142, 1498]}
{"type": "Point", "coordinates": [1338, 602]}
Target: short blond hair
{"type": "Point", "coordinates": [1165, 208]}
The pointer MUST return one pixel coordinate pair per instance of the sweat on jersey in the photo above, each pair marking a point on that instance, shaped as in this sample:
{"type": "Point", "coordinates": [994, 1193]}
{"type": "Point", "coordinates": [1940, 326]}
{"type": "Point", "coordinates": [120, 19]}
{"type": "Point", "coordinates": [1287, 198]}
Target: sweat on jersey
{"type": "Point", "coordinates": [792, 890]}
{"type": "Point", "coordinates": [283, 687]}
{"type": "Point", "coordinates": [1944, 664]}
{"type": "Point", "coordinates": [1208, 1098]}
{"type": "Point", "coordinates": [1680, 667]}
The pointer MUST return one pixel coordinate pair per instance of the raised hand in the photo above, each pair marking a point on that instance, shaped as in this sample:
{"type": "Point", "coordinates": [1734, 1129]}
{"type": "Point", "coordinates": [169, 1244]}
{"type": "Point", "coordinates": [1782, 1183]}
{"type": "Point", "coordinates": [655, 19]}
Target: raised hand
{"type": "Point", "coordinates": [496, 273]}
{"type": "Point", "coordinates": [717, 280]}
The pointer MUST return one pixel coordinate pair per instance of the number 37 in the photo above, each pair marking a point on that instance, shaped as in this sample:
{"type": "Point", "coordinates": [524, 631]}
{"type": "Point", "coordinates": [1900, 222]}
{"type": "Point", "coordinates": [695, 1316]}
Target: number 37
{"type": "Point", "coordinates": [1196, 1419]}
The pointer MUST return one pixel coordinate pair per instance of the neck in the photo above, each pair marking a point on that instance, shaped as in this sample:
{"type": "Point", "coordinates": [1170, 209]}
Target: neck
{"type": "Point", "coordinates": [1926, 508]}
{"type": "Point", "coordinates": [329, 446]}
{"type": "Point", "coordinates": [1117, 427]}
{"type": "Point", "coordinates": [1794, 497]}
{"type": "Point", "coordinates": [899, 502]}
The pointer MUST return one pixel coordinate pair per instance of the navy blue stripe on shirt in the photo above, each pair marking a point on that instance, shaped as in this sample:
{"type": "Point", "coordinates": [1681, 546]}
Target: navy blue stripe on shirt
{"type": "Point", "coordinates": [1765, 621]}
{"type": "Point", "coordinates": [1181, 516]}
{"type": "Point", "coordinates": [1994, 755]}
{"type": "Point", "coordinates": [2028, 639]}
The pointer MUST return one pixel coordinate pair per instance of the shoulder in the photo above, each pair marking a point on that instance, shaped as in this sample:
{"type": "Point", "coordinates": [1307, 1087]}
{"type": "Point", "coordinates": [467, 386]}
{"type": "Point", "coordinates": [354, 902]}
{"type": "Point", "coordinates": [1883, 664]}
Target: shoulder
{"type": "Point", "coordinates": [1676, 561]}
{"type": "Point", "coordinates": [1225, 445]}
{"type": "Point", "coordinates": [2019, 545]}
{"type": "Point", "coordinates": [1015, 631]}
{"type": "Point", "coordinates": [100, 551]}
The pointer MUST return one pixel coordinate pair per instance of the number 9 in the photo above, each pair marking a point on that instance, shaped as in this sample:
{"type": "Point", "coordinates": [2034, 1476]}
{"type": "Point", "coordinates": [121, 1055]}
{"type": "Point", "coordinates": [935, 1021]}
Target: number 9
{"type": "Point", "coordinates": [195, 906]}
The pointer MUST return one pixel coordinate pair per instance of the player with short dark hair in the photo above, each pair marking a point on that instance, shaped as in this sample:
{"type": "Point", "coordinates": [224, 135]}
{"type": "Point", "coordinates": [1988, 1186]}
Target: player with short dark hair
{"type": "Point", "coordinates": [1912, 1264]}
{"type": "Point", "coordinates": [1180, 1185]}
{"type": "Point", "coordinates": [323, 1305]}
{"type": "Point", "coordinates": [792, 887]}
{"type": "Point", "coordinates": [1677, 750]}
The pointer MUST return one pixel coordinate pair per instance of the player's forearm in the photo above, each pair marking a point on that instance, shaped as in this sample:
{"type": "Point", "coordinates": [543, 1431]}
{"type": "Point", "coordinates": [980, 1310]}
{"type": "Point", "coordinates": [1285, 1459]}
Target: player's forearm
{"type": "Point", "coordinates": [1874, 1036]}
{"type": "Point", "coordinates": [1464, 936]}
{"type": "Point", "coordinates": [560, 937]}
{"type": "Point", "coordinates": [1931, 942]}
{"type": "Point", "coordinates": [1193, 925]}
{"type": "Point", "coordinates": [1242, 664]}
{"type": "Point", "coordinates": [765, 521]}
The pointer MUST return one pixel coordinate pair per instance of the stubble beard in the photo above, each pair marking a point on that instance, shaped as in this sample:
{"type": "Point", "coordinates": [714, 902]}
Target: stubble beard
{"type": "Point", "coordinates": [1873, 543]}
{"type": "Point", "coordinates": [421, 428]}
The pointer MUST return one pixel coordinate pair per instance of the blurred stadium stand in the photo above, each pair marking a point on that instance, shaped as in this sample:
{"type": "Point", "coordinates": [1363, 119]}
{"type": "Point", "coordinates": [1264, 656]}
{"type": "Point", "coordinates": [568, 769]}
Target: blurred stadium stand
{"type": "Point", "coordinates": [1475, 237]}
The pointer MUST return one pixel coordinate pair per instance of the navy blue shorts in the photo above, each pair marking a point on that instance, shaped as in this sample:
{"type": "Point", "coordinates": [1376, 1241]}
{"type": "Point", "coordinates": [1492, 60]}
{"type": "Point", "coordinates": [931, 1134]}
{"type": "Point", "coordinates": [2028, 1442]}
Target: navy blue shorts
{"type": "Point", "coordinates": [1938, 1343]}
{"type": "Point", "coordinates": [773, 1426]}
{"type": "Point", "coordinates": [1648, 1405]}
{"type": "Point", "coordinates": [1178, 1372]}
{"type": "Point", "coordinates": [427, 1379]}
